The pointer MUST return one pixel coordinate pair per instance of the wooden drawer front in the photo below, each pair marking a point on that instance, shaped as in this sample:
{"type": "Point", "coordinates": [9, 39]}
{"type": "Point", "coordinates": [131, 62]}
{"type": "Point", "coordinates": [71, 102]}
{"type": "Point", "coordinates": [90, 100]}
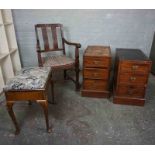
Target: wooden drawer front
{"type": "Point", "coordinates": [130, 91]}
{"type": "Point", "coordinates": [132, 78]}
{"type": "Point", "coordinates": [98, 85]}
{"type": "Point", "coordinates": [96, 73]}
{"type": "Point", "coordinates": [135, 68]}
{"type": "Point", "coordinates": [96, 62]}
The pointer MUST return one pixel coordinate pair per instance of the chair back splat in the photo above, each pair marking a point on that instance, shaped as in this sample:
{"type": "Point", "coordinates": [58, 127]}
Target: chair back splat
{"type": "Point", "coordinates": [49, 37]}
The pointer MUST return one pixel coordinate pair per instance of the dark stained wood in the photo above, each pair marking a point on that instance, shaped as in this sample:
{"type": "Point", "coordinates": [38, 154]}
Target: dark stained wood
{"type": "Point", "coordinates": [101, 62]}
{"type": "Point", "coordinates": [44, 105]}
{"type": "Point", "coordinates": [22, 95]}
{"type": "Point", "coordinates": [51, 50]}
{"type": "Point", "coordinates": [45, 38]}
{"type": "Point", "coordinates": [97, 51]}
{"type": "Point", "coordinates": [54, 35]}
{"type": "Point", "coordinates": [128, 101]}
{"type": "Point", "coordinates": [152, 55]}
{"type": "Point", "coordinates": [71, 43]}
{"type": "Point", "coordinates": [54, 28]}
{"type": "Point", "coordinates": [96, 71]}
{"type": "Point", "coordinates": [48, 25]}
{"type": "Point", "coordinates": [135, 67]}
{"type": "Point", "coordinates": [131, 54]}
{"type": "Point", "coordinates": [132, 79]}
{"type": "Point", "coordinates": [97, 57]}
{"type": "Point", "coordinates": [40, 61]}
{"type": "Point", "coordinates": [93, 73]}
{"type": "Point", "coordinates": [9, 105]}
{"type": "Point", "coordinates": [77, 70]}
{"type": "Point", "coordinates": [98, 85]}
{"type": "Point", "coordinates": [39, 95]}
{"type": "Point", "coordinates": [130, 90]}
{"type": "Point", "coordinates": [96, 94]}
{"type": "Point", "coordinates": [132, 70]}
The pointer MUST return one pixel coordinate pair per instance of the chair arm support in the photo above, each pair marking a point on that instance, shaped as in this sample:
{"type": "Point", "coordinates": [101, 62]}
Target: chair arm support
{"type": "Point", "coordinates": [78, 45]}
{"type": "Point", "coordinates": [38, 46]}
{"type": "Point", "coordinates": [40, 63]}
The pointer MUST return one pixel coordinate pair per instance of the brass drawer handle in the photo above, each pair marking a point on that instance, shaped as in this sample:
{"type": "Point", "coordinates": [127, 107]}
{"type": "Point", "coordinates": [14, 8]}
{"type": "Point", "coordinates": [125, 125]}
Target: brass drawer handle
{"type": "Point", "coordinates": [95, 74]}
{"type": "Point", "coordinates": [96, 62]}
{"type": "Point", "coordinates": [134, 67]}
{"type": "Point", "coordinates": [132, 78]}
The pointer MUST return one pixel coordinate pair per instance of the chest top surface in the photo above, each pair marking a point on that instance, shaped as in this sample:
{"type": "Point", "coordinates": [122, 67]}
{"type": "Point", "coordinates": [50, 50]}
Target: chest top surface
{"type": "Point", "coordinates": [131, 54]}
{"type": "Point", "coordinates": [97, 51]}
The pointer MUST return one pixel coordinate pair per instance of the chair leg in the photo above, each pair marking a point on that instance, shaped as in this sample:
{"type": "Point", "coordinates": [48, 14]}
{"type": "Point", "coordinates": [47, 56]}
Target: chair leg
{"type": "Point", "coordinates": [65, 74]}
{"type": "Point", "coordinates": [77, 80]}
{"type": "Point", "coordinates": [12, 115]}
{"type": "Point", "coordinates": [30, 102]}
{"type": "Point", "coordinates": [52, 90]}
{"type": "Point", "coordinates": [44, 105]}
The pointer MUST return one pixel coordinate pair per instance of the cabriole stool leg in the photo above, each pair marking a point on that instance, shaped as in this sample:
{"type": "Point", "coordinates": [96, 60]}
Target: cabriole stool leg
{"type": "Point", "coordinates": [9, 105]}
{"type": "Point", "coordinates": [44, 104]}
{"type": "Point", "coordinates": [52, 90]}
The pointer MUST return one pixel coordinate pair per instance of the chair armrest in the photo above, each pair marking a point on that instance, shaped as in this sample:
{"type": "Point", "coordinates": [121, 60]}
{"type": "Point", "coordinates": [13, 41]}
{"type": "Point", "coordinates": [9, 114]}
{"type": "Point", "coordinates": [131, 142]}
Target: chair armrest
{"type": "Point", "coordinates": [39, 51]}
{"type": "Point", "coordinates": [78, 45]}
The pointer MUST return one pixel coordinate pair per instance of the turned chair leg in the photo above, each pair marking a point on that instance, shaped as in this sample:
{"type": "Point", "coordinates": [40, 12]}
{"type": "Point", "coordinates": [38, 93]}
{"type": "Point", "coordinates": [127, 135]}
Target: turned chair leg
{"type": "Point", "coordinates": [77, 80]}
{"type": "Point", "coordinates": [65, 74]}
{"type": "Point", "coordinates": [12, 115]}
{"type": "Point", "coordinates": [44, 105]}
{"type": "Point", "coordinates": [29, 102]}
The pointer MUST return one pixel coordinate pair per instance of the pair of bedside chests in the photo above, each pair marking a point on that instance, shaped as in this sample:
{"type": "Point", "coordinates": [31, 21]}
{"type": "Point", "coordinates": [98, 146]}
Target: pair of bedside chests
{"type": "Point", "coordinates": [129, 82]}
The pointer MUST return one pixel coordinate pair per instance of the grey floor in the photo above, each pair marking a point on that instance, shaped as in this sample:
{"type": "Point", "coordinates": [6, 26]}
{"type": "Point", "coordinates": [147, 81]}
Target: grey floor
{"type": "Point", "coordinates": [81, 120]}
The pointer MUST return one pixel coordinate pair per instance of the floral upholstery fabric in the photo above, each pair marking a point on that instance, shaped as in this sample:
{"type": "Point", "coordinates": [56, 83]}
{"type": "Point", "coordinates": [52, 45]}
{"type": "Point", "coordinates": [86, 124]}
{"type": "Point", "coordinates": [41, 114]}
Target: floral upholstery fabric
{"type": "Point", "coordinates": [29, 78]}
{"type": "Point", "coordinates": [59, 62]}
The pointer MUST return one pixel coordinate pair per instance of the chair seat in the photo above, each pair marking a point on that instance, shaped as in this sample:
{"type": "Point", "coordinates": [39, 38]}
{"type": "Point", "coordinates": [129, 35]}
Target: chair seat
{"type": "Point", "coordinates": [29, 79]}
{"type": "Point", "coordinates": [59, 62]}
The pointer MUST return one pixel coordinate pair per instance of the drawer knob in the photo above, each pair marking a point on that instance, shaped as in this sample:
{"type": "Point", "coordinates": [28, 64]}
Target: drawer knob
{"type": "Point", "coordinates": [132, 78]}
{"type": "Point", "coordinates": [134, 67]}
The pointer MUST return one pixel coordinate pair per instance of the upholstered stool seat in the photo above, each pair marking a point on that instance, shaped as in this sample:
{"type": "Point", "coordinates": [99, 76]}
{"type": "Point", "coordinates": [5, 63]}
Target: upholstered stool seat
{"type": "Point", "coordinates": [29, 78]}
{"type": "Point", "coordinates": [59, 62]}
{"type": "Point", "coordinates": [29, 84]}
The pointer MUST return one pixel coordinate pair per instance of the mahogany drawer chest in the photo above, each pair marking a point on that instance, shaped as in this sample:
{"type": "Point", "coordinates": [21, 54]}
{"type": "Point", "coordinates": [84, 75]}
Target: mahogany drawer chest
{"type": "Point", "coordinates": [96, 71]}
{"type": "Point", "coordinates": [132, 70]}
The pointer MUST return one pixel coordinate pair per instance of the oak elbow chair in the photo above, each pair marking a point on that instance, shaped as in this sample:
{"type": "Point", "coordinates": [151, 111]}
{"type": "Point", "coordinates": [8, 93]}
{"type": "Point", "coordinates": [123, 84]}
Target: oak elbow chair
{"type": "Point", "coordinates": [53, 40]}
